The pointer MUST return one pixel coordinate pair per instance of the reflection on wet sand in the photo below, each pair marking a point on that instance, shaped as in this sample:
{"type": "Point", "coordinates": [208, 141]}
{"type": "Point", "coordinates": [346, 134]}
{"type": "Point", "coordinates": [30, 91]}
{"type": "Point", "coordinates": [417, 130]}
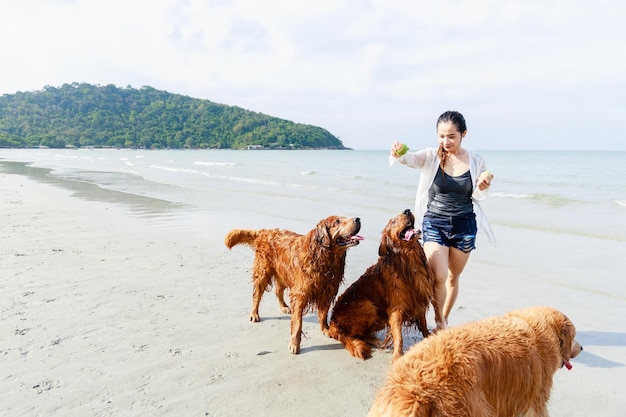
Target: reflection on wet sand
{"type": "Point", "coordinates": [136, 204]}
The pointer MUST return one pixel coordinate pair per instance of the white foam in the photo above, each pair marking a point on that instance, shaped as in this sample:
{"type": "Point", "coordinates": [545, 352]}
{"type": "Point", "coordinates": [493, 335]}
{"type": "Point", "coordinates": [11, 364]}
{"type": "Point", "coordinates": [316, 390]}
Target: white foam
{"type": "Point", "coordinates": [172, 169]}
{"type": "Point", "coordinates": [511, 195]}
{"type": "Point", "coordinates": [214, 164]}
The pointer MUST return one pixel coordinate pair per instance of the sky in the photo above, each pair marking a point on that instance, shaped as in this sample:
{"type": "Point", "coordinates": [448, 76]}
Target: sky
{"type": "Point", "coordinates": [526, 74]}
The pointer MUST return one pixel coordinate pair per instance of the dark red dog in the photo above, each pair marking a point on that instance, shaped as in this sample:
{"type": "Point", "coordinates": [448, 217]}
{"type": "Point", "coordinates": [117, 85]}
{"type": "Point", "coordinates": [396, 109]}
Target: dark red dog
{"type": "Point", "coordinates": [311, 266]}
{"type": "Point", "coordinates": [395, 291]}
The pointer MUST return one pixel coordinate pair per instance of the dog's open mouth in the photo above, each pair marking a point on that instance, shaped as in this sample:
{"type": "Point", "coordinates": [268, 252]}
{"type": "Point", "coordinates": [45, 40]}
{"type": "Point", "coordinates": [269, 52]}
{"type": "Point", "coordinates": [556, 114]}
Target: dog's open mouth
{"type": "Point", "coordinates": [567, 364]}
{"type": "Point", "coordinates": [349, 240]}
{"type": "Point", "coordinates": [408, 233]}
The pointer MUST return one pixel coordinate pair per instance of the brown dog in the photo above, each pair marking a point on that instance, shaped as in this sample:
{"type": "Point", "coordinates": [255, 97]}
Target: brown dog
{"type": "Point", "coordinates": [311, 266]}
{"type": "Point", "coordinates": [501, 366]}
{"type": "Point", "coordinates": [395, 291]}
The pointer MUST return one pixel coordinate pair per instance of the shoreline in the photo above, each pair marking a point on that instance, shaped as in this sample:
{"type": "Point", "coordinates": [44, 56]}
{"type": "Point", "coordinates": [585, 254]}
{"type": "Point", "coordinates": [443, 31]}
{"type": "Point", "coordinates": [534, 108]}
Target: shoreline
{"type": "Point", "coordinates": [103, 314]}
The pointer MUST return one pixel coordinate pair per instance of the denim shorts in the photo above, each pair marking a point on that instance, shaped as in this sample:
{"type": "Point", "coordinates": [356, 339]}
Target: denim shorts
{"type": "Point", "coordinates": [455, 232]}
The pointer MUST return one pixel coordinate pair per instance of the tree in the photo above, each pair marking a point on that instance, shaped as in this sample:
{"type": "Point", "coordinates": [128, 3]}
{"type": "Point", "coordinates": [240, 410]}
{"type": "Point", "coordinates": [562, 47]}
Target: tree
{"type": "Point", "coordinates": [91, 115]}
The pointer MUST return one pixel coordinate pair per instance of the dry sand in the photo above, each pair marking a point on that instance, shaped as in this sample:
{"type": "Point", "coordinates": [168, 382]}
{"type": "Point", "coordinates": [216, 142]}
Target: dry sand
{"type": "Point", "coordinates": [103, 315]}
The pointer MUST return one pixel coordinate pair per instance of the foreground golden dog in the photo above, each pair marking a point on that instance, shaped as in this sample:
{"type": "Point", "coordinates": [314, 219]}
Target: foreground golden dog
{"type": "Point", "coordinates": [500, 366]}
{"type": "Point", "coordinates": [311, 266]}
{"type": "Point", "coordinates": [397, 290]}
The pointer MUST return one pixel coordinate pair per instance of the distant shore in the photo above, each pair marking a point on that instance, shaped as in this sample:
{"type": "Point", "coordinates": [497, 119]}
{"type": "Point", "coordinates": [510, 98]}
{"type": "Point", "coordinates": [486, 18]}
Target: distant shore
{"type": "Point", "coordinates": [247, 148]}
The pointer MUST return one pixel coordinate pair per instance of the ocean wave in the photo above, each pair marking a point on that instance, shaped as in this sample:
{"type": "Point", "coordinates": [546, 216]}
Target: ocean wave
{"type": "Point", "coordinates": [244, 179]}
{"type": "Point", "coordinates": [621, 203]}
{"type": "Point", "coordinates": [555, 200]}
{"type": "Point", "coordinates": [551, 199]}
{"type": "Point", "coordinates": [315, 187]}
{"type": "Point", "coordinates": [276, 183]}
{"type": "Point", "coordinates": [307, 172]}
{"type": "Point", "coordinates": [511, 195]}
{"type": "Point", "coordinates": [172, 169]}
{"type": "Point", "coordinates": [61, 156]}
{"type": "Point", "coordinates": [350, 177]}
{"type": "Point", "coordinates": [215, 164]}
{"type": "Point", "coordinates": [132, 172]}
{"type": "Point", "coordinates": [562, 230]}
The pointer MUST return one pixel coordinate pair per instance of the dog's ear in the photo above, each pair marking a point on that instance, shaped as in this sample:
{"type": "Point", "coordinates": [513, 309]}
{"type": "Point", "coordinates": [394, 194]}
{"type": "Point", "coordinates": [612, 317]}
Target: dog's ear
{"type": "Point", "coordinates": [386, 246]}
{"type": "Point", "coordinates": [566, 337]}
{"type": "Point", "coordinates": [322, 234]}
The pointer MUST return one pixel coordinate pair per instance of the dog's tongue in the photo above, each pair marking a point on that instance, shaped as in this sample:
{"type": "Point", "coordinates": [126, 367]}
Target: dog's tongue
{"type": "Point", "coordinates": [567, 364]}
{"type": "Point", "coordinates": [408, 234]}
{"type": "Point", "coordinates": [356, 237]}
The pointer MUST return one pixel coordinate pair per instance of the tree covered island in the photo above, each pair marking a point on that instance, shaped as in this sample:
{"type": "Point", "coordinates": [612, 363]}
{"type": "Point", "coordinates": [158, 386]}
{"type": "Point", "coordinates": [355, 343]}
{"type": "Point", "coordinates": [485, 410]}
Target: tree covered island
{"type": "Point", "coordinates": [84, 115]}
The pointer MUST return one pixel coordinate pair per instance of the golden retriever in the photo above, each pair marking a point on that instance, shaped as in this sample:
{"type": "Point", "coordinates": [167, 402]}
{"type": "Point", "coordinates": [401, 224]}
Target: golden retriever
{"type": "Point", "coordinates": [397, 290]}
{"type": "Point", "coordinates": [500, 366]}
{"type": "Point", "coordinates": [311, 266]}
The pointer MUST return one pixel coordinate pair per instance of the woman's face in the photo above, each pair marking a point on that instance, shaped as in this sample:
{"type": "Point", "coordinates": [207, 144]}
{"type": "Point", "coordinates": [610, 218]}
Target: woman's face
{"type": "Point", "coordinates": [449, 136]}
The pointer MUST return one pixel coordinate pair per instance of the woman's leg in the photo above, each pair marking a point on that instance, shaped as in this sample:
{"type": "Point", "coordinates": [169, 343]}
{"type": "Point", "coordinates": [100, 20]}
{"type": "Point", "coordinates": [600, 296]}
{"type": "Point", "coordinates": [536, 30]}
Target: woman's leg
{"type": "Point", "coordinates": [437, 256]}
{"type": "Point", "coordinates": [456, 263]}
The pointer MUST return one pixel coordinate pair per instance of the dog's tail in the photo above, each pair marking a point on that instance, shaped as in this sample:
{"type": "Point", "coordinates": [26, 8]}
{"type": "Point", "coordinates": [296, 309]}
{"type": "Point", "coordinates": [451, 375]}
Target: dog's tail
{"type": "Point", "coordinates": [357, 347]}
{"type": "Point", "coordinates": [240, 236]}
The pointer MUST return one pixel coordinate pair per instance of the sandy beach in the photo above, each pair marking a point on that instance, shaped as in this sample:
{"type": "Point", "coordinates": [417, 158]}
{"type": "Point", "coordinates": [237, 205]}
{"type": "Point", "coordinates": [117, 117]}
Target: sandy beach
{"type": "Point", "coordinates": [103, 315]}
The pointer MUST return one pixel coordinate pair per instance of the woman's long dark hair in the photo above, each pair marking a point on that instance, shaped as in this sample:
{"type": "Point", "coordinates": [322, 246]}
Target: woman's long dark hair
{"type": "Point", "coordinates": [457, 120]}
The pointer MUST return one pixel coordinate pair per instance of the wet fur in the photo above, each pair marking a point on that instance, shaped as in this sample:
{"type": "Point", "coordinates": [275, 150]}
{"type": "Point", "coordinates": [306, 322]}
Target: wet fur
{"type": "Point", "coordinates": [311, 266]}
{"type": "Point", "coordinates": [500, 366]}
{"type": "Point", "coordinates": [394, 292]}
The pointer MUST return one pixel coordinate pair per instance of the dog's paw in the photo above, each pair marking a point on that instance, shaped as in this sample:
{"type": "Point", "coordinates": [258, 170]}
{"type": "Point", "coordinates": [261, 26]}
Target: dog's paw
{"type": "Point", "coordinates": [439, 327]}
{"type": "Point", "coordinates": [285, 310]}
{"type": "Point", "coordinates": [255, 318]}
{"type": "Point", "coordinates": [396, 356]}
{"type": "Point", "coordinates": [293, 348]}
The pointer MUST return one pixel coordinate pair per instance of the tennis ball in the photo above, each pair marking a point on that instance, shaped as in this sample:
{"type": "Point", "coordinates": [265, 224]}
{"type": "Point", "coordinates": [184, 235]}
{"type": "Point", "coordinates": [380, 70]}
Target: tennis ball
{"type": "Point", "coordinates": [402, 150]}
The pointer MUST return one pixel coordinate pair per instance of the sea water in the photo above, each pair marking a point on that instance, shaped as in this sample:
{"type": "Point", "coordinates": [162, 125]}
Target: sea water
{"type": "Point", "coordinates": [555, 213]}
{"type": "Point", "coordinates": [569, 192]}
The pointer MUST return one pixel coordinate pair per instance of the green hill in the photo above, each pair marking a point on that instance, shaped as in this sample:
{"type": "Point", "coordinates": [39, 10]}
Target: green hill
{"type": "Point", "coordinates": [85, 115]}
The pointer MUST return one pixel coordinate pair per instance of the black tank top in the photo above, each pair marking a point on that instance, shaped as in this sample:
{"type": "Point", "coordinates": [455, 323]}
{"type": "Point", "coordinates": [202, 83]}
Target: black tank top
{"type": "Point", "coordinates": [451, 196]}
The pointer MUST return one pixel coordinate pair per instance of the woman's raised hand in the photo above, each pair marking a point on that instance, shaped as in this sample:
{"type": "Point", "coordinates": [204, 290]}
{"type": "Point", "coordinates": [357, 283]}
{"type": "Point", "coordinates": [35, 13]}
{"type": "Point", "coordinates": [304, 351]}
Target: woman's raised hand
{"type": "Point", "coordinates": [398, 149]}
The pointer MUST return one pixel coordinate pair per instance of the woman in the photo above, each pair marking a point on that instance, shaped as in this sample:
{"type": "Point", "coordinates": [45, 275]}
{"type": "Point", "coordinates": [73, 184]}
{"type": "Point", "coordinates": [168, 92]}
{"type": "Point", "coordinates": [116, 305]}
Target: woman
{"type": "Point", "coordinates": [452, 182]}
